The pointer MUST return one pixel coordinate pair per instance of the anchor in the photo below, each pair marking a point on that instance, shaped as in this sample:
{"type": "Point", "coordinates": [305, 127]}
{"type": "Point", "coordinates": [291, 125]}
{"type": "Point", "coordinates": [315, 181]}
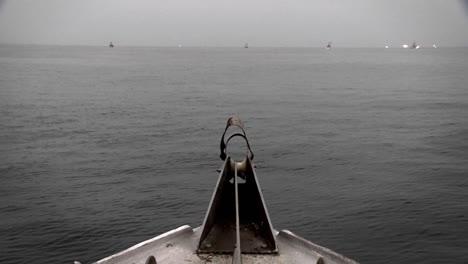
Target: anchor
{"type": "Point", "coordinates": [237, 220]}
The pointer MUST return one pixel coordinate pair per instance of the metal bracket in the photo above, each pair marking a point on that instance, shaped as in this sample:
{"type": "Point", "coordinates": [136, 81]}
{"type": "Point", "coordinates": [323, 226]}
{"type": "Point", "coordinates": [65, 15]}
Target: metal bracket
{"type": "Point", "coordinates": [237, 221]}
{"type": "Point", "coordinates": [234, 121]}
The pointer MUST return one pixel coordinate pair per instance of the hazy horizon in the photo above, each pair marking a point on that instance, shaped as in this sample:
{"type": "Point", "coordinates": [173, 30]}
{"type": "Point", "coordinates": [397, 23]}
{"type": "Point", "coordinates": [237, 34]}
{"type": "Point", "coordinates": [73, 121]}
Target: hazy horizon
{"type": "Point", "coordinates": [223, 46]}
{"type": "Point", "coordinates": [221, 23]}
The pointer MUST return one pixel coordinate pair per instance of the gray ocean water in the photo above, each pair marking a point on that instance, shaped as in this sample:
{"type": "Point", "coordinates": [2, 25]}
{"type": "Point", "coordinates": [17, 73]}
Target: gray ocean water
{"type": "Point", "coordinates": [364, 151]}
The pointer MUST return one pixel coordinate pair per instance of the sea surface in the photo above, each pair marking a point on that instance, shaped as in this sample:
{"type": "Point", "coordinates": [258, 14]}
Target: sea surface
{"type": "Point", "coordinates": [364, 151]}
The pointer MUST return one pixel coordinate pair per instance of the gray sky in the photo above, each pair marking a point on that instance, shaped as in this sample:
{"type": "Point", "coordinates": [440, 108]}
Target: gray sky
{"type": "Point", "coordinates": [234, 22]}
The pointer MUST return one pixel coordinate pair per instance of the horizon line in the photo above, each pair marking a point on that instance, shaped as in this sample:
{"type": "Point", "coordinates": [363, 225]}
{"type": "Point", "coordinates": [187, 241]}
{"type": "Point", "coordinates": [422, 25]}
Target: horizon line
{"type": "Point", "coordinates": [218, 46]}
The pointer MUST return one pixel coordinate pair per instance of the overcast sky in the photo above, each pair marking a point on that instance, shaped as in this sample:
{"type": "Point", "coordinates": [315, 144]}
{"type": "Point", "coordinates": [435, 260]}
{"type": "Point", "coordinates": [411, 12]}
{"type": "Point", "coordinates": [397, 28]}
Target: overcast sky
{"type": "Point", "coordinates": [234, 22]}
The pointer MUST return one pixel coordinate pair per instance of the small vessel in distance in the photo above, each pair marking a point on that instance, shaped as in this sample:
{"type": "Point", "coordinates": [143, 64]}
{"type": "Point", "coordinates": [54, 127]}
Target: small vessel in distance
{"type": "Point", "coordinates": [415, 46]}
{"type": "Point", "coordinates": [111, 45]}
{"type": "Point", "coordinates": [237, 227]}
{"type": "Point", "coordinates": [246, 46]}
{"type": "Point", "coordinates": [328, 45]}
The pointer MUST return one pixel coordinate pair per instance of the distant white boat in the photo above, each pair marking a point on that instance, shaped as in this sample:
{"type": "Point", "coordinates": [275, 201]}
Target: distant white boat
{"type": "Point", "coordinates": [434, 46]}
{"type": "Point", "coordinates": [386, 47]}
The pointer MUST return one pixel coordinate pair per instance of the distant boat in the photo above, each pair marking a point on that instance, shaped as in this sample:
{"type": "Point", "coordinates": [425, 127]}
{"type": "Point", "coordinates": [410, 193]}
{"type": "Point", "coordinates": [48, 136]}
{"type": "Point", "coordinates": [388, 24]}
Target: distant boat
{"type": "Point", "coordinates": [111, 45]}
{"type": "Point", "coordinates": [246, 45]}
{"type": "Point", "coordinates": [415, 46]}
{"type": "Point", "coordinates": [328, 45]}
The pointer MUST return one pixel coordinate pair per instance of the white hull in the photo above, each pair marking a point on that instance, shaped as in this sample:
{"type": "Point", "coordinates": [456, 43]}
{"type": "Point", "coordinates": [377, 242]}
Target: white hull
{"type": "Point", "coordinates": [179, 246]}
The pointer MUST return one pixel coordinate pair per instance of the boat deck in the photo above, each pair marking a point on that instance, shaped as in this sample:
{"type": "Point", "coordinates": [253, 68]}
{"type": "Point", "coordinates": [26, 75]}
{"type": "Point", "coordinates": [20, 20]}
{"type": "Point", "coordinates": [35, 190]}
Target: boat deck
{"type": "Point", "coordinates": [179, 246]}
